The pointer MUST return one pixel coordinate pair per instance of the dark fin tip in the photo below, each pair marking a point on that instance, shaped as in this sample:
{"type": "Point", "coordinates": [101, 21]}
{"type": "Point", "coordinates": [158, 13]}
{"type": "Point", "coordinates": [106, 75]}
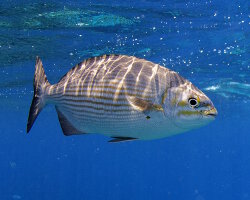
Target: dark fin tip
{"type": "Point", "coordinates": [33, 113]}
{"type": "Point", "coordinates": [122, 139]}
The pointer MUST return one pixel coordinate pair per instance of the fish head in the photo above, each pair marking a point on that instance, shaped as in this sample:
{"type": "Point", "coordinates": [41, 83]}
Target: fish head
{"type": "Point", "coordinates": [190, 107]}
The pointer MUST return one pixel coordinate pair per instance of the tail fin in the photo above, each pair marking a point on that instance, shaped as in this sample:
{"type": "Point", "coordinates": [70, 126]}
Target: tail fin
{"type": "Point", "coordinates": [40, 83]}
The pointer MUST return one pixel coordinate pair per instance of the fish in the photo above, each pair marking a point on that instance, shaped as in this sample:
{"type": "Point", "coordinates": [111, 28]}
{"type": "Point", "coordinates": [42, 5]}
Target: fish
{"type": "Point", "coordinates": [123, 97]}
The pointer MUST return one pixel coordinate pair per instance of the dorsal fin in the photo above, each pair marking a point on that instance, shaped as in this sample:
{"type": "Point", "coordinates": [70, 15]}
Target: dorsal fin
{"type": "Point", "coordinates": [121, 139]}
{"type": "Point", "coordinates": [67, 128]}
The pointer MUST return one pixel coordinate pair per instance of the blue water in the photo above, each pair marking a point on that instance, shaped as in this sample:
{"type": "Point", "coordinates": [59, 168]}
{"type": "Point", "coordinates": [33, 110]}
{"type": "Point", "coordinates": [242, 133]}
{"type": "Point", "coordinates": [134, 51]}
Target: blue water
{"type": "Point", "coordinates": [207, 42]}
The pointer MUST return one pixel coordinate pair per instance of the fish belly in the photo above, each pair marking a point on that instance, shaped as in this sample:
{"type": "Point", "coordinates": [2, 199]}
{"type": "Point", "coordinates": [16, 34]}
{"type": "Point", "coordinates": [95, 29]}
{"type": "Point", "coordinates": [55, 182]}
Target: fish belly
{"type": "Point", "coordinates": [118, 124]}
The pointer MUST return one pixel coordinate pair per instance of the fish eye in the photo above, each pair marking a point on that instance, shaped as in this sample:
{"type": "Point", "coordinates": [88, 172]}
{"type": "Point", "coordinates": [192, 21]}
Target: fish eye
{"type": "Point", "coordinates": [193, 102]}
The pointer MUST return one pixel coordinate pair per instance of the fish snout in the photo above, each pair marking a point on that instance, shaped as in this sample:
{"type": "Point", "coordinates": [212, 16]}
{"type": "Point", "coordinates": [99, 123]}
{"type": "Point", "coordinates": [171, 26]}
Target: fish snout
{"type": "Point", "coordinates": [211, 112]}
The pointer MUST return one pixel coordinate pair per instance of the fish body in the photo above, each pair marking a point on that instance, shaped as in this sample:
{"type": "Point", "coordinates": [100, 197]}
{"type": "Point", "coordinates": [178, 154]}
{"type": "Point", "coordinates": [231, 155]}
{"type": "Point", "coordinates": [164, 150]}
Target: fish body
{"type": "Point", "coordinates": [122, 97]}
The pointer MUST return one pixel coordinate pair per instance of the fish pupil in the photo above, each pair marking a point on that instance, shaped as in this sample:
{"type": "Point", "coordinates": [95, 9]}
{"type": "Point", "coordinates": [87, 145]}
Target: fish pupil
{"type": "Point", "coordinates": [147, 117]}
{"type": "Point", "coordinates": [193, 102]}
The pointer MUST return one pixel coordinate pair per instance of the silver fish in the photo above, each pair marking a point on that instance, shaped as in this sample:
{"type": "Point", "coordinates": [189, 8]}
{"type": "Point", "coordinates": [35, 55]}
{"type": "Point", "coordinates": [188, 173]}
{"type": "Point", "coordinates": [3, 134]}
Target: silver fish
{"type": "Point", "coordinates": [122, 97]}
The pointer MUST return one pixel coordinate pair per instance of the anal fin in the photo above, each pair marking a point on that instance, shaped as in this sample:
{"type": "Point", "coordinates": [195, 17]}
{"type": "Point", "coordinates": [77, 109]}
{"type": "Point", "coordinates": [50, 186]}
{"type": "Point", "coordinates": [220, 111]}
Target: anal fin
{"type": "Point", "coordinates": [122, 139]}
{"type": "Point", "coordinates": [67, 128]}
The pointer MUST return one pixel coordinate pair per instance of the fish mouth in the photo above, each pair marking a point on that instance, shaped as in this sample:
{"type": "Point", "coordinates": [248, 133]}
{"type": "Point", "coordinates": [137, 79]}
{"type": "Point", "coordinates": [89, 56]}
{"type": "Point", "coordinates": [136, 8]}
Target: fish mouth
{"type": "Point", "coordinates": [213, 115]}
{"type": "Point", "coordinates": [212, 112]}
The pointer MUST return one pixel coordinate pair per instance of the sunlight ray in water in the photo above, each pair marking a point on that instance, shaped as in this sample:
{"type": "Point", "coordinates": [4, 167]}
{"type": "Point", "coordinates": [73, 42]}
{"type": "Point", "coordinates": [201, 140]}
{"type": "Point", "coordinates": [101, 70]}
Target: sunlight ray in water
{"type": "Point", "coordinates": [207, 42]}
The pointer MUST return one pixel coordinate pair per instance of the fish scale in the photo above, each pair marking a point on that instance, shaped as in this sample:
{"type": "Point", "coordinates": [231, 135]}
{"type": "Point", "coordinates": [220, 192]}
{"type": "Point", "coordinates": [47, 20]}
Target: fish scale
{"type": "Point", "coordinates": [116, 95]}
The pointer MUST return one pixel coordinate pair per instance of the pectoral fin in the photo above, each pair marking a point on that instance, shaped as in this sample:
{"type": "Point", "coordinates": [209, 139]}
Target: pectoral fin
{"type": "Point", "coordinates": [121, 139]}
{"type": "Point", "coordinates": [143, 105]}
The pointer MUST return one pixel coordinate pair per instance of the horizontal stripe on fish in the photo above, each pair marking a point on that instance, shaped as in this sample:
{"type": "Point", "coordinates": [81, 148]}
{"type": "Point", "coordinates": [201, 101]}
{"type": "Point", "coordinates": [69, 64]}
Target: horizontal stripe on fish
{"type": "Point", "coordinates": [111, 109]}
{"type": "Point", "coordinates": [124, 83]}
{"type": "Point", "coordinates": [110, 72]}
{"type": "Point", "coordinates": [94, 102]}
{"type": "Point", "coordinates": [109, 88]}
{"type": "Point", "coordinates": [101, 109]}
{"type": "Point", "coordinates": [79, 96]}
{"type": "Point", "coordinates": [90, 99]}
{"type": "Point", "coordinates": [103, 116]}
{"type": "Point", "coordinates": [108, 124]}
{"type": "Point", "coordinates": [82, 97]}
{"type": "Point", "coordinates": [105, 93]}
{"type": "Point", "coordinates": [142, 81]}
{"type": "Point", "coordinates": [87, 102]}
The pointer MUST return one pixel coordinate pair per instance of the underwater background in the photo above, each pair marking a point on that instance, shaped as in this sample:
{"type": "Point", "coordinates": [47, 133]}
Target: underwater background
{"type": "Point", "coordinates": [207, 42]}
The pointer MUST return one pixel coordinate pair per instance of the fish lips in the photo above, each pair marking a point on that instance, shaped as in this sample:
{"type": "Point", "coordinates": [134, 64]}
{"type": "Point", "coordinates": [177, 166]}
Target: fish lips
{"type": "Point", "coordinates": [211, 113]}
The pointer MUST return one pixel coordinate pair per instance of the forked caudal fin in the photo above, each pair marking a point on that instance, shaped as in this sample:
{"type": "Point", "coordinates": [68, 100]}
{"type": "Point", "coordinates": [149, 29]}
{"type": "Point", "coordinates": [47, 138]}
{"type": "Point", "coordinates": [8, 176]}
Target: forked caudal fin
{"type": "Point", "coordinates": [40, 83]}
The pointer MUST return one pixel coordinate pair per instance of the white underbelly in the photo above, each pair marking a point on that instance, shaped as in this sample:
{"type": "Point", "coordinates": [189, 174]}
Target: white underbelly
{"type": "Point", "coordinates": [134, 125]}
